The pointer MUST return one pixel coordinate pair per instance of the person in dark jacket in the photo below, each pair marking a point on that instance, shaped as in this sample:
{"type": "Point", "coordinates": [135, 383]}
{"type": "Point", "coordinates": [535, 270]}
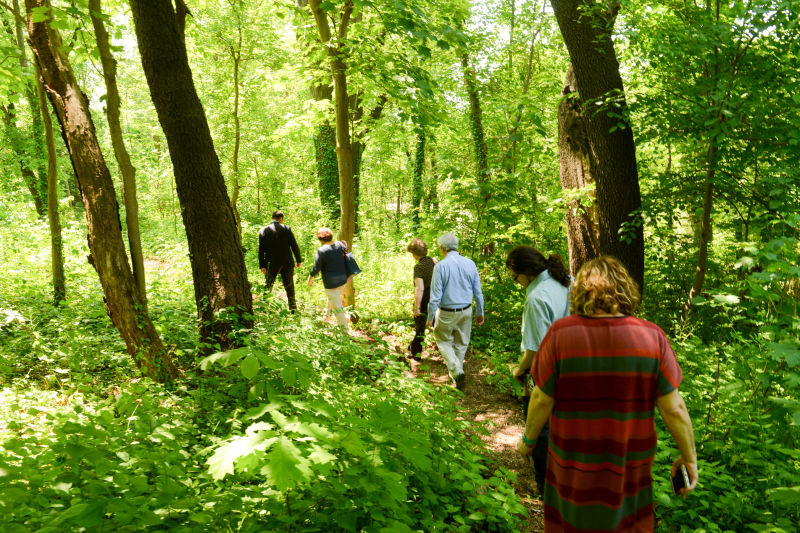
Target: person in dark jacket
{"type": "Point", "coordinates": [276, 244]}
{"type": "Point", "coordinates": [330, 261]}
{"type": "Point", "coordinates": [423, 272]}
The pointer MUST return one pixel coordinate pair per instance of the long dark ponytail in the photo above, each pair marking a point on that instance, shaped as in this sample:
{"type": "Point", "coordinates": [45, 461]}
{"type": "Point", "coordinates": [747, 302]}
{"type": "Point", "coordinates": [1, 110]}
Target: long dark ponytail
{"type": "Point", "coordinates": [529, 261]}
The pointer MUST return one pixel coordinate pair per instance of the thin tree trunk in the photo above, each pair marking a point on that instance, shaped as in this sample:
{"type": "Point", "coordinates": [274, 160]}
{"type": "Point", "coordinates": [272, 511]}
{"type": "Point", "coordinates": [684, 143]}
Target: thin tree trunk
{"type": "Point", "coordinates": [705, 233]}
{"type": "Point", "coordinates": [613, 162]}
{"type": "Point", "coordinates": [126, 168]}
{"type": "Point", "coordinates": [236, 55]}
{"type": "Point", "coordinates": [215, 248]}
{"type": "Point", "coordinates": [575, 171]}
{"type": "Point", "coordinates": [258, 184]}
{"type": "Point", "coordinates": [102, 212]}
{"type": "Point", "coordinates": [419, 169]}
{"type": "Point", "coordinates": [56, 244]}
{"type": "Point", "coordinates": [34, 172]}
{"type": "Point", "coordinates": [344, 156]}
{"type": "Point", "coordinates": [17, 144]}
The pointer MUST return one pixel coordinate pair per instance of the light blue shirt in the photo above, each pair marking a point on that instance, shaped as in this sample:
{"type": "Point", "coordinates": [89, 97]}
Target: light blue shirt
{"type": "Point", "coordinates": [547, 300]}
{"type": "Point", "coordinates": [455, 282]}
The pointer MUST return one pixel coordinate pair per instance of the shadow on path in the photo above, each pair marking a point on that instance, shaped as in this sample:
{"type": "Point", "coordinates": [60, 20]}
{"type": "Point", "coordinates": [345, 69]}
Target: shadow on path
{"type": "Point", "coordinates": [499, 412]}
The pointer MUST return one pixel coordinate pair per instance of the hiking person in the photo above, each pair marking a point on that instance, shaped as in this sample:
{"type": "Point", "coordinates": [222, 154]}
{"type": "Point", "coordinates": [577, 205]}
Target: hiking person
{"type": "Point", "coordinates": [454, 284]}
{"type": "Point", "coordinates": [423, 273]}
{"type": "Point", "coordinates": [546, 283]}
{"type": "Point", "coordinates": [330, 261]}
{"type": "Point", "coordinates": [276, 244]}
{"type": "Point", "coordinates": [599, 375]}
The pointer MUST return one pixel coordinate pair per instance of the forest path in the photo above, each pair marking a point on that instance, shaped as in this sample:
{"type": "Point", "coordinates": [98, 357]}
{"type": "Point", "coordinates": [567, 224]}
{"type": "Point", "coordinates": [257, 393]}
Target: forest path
{"type": "Point", "coordinates": [500, 413]}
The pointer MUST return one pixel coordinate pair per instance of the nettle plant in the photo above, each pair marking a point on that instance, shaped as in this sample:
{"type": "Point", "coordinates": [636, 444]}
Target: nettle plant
{"type": "Point", "coordinates": [338, 438]}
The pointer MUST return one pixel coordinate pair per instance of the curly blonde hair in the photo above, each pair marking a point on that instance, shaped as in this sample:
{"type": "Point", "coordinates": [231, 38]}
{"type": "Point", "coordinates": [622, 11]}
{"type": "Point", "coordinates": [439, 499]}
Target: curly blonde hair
{"type": "Point", "coordinates": [604, 286]}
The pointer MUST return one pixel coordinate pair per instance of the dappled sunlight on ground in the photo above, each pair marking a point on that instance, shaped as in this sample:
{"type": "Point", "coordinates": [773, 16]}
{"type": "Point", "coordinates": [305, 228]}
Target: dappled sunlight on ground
{"type": "Point", "coordinates": [499, 413]}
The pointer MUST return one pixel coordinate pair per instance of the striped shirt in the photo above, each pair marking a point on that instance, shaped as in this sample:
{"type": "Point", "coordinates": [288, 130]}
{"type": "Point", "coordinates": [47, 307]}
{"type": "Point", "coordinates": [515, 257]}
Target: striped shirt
{"type": "Point", "coordinates": [604, 375]}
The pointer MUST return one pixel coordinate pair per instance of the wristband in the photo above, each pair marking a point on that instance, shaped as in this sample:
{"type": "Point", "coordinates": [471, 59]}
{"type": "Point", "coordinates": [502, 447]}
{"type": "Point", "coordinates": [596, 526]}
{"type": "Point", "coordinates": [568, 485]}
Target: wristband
{"type": "Point", "coordinates": [529, 443]}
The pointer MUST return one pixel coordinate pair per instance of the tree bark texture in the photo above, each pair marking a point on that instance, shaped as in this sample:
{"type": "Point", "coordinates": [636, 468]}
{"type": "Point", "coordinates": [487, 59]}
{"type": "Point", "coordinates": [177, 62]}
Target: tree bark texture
{"type": "Point", "coordinates": [126, 168]}
{"type": "Point", "coordinates": [344, 152]}
{"type": "Point", "coordinates": [102, 211]}
{"type": "Point", "coordinates": [575, 171]}
{"type": "Point", "coordinates": [586, 29]}
{"type": "Point", "coordinates": [215, 250]}
{"type": "Point", "coordinates": [56, 243]}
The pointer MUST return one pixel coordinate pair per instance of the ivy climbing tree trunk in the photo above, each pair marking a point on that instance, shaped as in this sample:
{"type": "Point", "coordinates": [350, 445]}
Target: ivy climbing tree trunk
{"type": "Point", "coordinates": [344, 155]}
{"type": "Point", "coordinates": [215, 249]}
{"type": "Point", "coordinates": [126, 168]}
{"type": "Point", "coordinates": [56, 243]}
{"type": "Point", "coordinates": [478, 143]}
{"type": "Point", "coordinates": [576, 178]}
{"type": "Point", "coordinates": [587, 31]}
{"type": "Point", "coordinates": [327, 168]}
{"type": "Point", "coordinates": [97, 190]}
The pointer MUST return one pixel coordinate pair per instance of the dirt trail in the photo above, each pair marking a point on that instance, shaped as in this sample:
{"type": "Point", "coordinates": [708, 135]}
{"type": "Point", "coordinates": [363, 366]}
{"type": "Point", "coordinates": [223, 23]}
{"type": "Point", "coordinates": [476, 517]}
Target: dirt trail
{"type": "Point", "coordinates": [499, 412]}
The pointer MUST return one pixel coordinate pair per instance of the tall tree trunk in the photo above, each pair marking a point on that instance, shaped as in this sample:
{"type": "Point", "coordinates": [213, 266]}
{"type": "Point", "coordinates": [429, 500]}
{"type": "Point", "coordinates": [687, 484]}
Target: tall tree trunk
{"type": "Point", "coordinates": [419, 169]}
{"type": "Point", "coordinates": [587, 34]}
{"type": "Point", "coordinates": [102, 212]}
{"type": "Point", "coordinates": [215, 248]}
{"type": "Point", "coordinates": [236, 55]}
{"type": "Point", "coordinates": [575, 171]}
{"type": "Point", "coordinates": [344, 155]}
{"type": "Point", "coordinates": [476, 120]}
{"type": "Point", "coordinates": [56, 243]}
{"type": "Point", "coordinates": [34, 173]}
{"type": "Point", "coordinates": [126, 168]}
{"type": "Point", "coordinates": [479, 144]}
{"type": "Point", "coordinates": [17, 143]}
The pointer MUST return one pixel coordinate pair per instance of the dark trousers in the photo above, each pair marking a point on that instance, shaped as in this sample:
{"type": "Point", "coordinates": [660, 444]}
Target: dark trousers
{"type": "Point", "coordinates": [287, 277]}
{"type": "Point", "coordinates": [540, 451]}
{"type": "Point", "coordinates": [420, 322]}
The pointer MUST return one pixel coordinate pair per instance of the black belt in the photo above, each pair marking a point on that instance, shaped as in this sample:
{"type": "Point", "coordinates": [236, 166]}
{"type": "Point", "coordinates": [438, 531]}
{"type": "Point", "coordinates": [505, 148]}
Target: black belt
{"type": "Point", "coordinates": [454, 310]}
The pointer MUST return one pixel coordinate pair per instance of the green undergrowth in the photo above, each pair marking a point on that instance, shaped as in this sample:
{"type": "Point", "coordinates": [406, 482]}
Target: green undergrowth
{"type": "Point", "coordinates": [305, 429]}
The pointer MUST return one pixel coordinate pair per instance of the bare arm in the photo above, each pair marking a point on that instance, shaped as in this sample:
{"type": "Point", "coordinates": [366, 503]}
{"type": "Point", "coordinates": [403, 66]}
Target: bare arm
{"type": "Point", "coordinates": [539, 409]}
{"type": "Point", "coordinates": [676, 417]}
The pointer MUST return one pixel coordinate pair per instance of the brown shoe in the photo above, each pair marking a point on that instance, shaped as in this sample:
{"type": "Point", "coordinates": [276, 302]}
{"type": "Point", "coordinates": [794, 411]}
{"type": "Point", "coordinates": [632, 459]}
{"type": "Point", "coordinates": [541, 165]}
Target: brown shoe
{"type": "Point", "coordinates": [461, 382]}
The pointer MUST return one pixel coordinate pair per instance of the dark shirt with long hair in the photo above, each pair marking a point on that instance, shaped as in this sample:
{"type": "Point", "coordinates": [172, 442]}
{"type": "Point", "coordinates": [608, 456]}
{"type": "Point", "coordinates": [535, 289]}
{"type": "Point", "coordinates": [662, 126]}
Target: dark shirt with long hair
{"type": "Point", "coordinates": [531, 262]}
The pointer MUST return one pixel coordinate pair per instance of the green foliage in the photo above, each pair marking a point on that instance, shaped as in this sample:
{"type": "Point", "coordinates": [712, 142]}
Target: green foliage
{"type": "Point", "coordinates": [306, 428]}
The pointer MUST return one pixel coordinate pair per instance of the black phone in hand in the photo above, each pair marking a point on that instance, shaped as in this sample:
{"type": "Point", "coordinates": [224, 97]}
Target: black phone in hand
{"type": "Point", "coordinates": [680, 480]}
